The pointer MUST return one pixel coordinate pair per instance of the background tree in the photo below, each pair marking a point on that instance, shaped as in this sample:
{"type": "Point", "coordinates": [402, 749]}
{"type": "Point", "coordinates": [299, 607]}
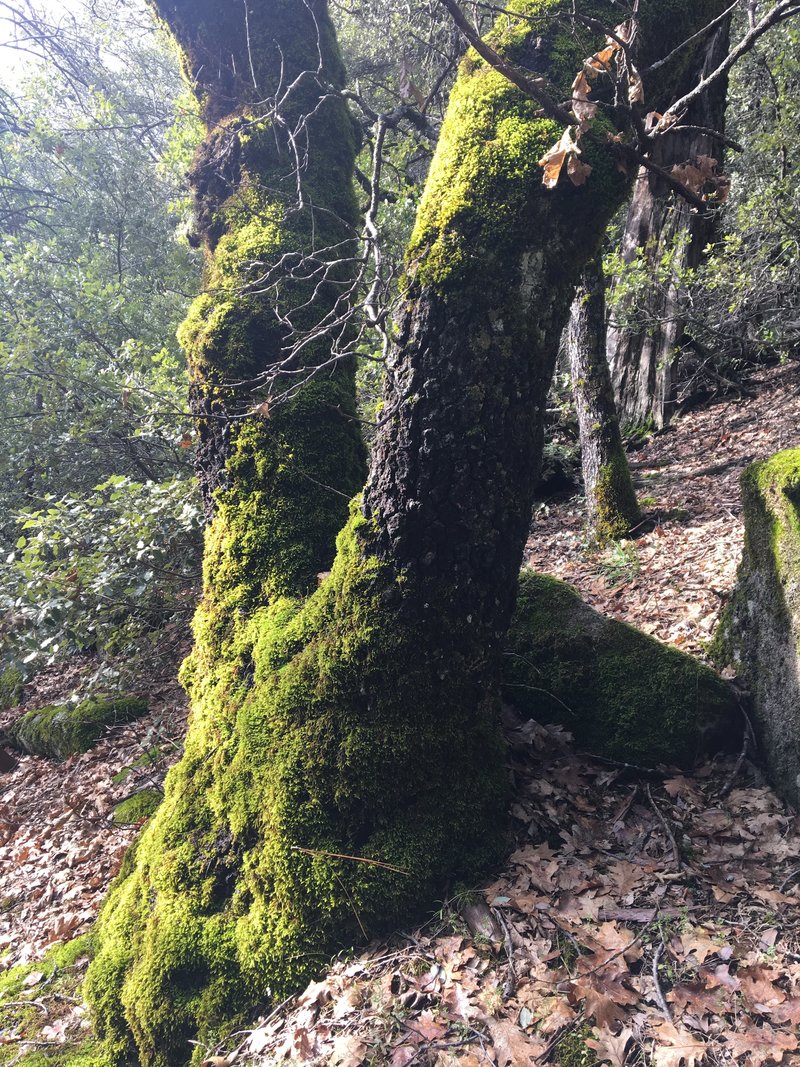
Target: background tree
{"type": "Point", "coordinates": [344, 760]}
{"type": "Point", "coordinates": [644, 349]}
{"type": "Point", "coordinates": [611, 505]}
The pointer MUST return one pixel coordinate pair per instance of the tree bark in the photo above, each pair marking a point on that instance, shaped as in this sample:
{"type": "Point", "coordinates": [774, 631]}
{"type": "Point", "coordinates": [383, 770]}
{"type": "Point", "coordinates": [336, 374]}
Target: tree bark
{"type": "Point", "coordinates": [611, 504]}
{"type": "Point", "coordinates": [645, 365]}
{"type": "Point", "coordinates": [272, 182]}
{"type": "Point", "coordinates": [344, 763]}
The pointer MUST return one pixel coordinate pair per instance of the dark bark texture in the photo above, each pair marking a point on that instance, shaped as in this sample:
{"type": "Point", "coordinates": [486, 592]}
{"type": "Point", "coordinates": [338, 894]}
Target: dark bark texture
{"type": "Point", "coordinates": [645, 364]}
{"type": "Point", "coordinates": [611, 505]}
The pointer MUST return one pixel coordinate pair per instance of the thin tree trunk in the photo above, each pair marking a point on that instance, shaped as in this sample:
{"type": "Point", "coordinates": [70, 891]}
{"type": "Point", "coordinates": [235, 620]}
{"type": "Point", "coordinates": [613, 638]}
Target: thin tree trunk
{"type": "Point", "coordinates": [611, 503]}
{"type": "Point", "coordinates": [645, 365]}
{"type": "Point", "coordinates": [344, 763]}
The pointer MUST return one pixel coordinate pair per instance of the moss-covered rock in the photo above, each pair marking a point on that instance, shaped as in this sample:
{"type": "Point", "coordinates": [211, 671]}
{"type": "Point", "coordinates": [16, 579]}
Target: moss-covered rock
{"type": "Point", "coordinates": [137, 808]}
{"type": "Point", "coordinates": [622, 694]}
{"type": "Point", "coordinates": [60, 730]}
{"type": "Point", "coordinates": [759, 634]}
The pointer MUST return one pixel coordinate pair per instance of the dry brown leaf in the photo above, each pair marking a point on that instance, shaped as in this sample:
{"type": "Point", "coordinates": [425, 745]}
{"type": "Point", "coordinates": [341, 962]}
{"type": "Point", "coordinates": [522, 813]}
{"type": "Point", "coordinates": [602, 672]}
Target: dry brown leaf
{"type": "Point", "coordinates": [512, 1047]}
{"type": "Point", "coordinates": [583, 108]}
{"type": "Point", "coordinates": [677, 1047]}
{"type": "Point", "coordinates": [553, 160]}
{"type": "Point", "coordinates": [348, 1051]}
{"type": "Point", "coordinates": [757, 984]}
{"type": "Point", "coordinates": [761, 1044]}
{"type": "Point", "coordinates": [604, 997]}
{"type": "Point", "coordinates": [610, 1048]}
{"type": "Point", "coordinates": [577, 171]}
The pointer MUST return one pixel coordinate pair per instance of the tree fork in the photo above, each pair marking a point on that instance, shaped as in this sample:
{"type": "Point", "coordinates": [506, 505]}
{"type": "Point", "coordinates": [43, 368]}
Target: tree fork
{"type": "Point", "coordinates": [361, 724]}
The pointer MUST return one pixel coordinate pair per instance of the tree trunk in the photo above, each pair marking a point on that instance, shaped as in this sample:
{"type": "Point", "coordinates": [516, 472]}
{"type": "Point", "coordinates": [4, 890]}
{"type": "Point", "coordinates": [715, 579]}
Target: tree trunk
{"type": "Point", "coordinates": [611, 503]}
{"type": "Point", "coordinates": [344, 763]}
{"type": "Point", "coordinates": [645, 364]}
{"type": "Point", "coordinates": [272, 182]}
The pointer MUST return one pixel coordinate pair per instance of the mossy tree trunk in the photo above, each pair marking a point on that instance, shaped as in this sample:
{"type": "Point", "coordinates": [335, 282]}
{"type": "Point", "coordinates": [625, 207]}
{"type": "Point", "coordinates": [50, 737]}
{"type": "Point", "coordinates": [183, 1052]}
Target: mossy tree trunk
{"type": "Point", "coordinates": [645, 364]}
{"type": "Point", "coordinates": [343, 763]}
{"type": "Point", "coordinates": [272, 183]}
{"type": "Point", "coordinates": [611, 503]}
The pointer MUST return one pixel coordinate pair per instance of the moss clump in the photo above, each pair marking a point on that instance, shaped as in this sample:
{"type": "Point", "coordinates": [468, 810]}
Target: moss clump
{"type": "Point", "coordinates": [759, 633]}
{"type": "Point", "coordinates": [60, 730]}
{"type": "Point", "coordinates": [339, 742]}
{"type": "Point", "coordinates": [616, 507]}
{"type": "Point", "coordinates": [622, 694]}
{"type": "Point", "coordinates": [137, 808]}
{"type": "Point", "coordinates": [11, 682]}
{"type": "Point", "coordinates": [572, 1050]}
{"type": "Point", "coordinates": [63, 968]}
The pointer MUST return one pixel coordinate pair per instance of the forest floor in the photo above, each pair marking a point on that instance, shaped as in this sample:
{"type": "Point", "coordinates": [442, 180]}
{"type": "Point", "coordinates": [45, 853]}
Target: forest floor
{"type": "Point", "coordinates": [649, 920]}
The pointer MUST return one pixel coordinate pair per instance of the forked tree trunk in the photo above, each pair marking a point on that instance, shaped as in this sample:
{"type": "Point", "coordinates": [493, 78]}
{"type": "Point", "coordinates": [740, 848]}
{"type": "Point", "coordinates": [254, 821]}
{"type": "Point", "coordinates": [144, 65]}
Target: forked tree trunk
{"type": "Point", "coordinates": [645, 363]}
{"type": "Point", "coordinates": [344, 763]}
{"type": "Point", "coordinates": [611, 505]}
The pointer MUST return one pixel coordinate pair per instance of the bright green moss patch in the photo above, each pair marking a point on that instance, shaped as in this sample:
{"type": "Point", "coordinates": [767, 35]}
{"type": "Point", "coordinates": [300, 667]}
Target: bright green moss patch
{"type": "Point", "coordinates": [137, 808]}
{"type": "Point", "coordinates": [63, 729]}
{"type": "Point", "coordinates": [621, 693]}
{"type": "Point", "coordinates": [11, 682]}
{"type": "Point", "coordinates": [62, 971]}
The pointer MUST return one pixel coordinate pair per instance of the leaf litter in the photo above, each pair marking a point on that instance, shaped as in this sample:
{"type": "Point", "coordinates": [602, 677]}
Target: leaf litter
{"type": "Point", "coordinates": [639, 922]}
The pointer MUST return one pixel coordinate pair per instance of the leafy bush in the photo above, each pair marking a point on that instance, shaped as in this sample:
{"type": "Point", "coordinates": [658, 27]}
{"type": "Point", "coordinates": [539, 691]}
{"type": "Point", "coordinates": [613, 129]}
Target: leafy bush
{"type": "Point", "coordinates": [100, 572]}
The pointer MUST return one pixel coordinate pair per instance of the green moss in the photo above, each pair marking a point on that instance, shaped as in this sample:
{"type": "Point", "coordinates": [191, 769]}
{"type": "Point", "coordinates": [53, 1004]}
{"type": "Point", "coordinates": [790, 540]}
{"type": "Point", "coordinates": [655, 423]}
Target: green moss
{"type": "Point", "coordinates": [63, 729]}
{"type": "Point", "coordinates": [338, 743]}
{"type": "Point", "coordinates": [485, 173]}
{"type": "Point", "coordinates": [137, 808]}
{"type": "Point", "coordinates": [621, 693]}
{"type": "Point", "coordinates": [11, 682]}
{"type": "Point", "coordinates": [572, 1050]}
{"type": "Point", "coordinates": [759, 633]}
{"type": "Point", "coordinates": [63, 969]}
{"type": "Point", "coordinates": [615, 499]}
{"type": "Point", "coordinates": [771, 500]}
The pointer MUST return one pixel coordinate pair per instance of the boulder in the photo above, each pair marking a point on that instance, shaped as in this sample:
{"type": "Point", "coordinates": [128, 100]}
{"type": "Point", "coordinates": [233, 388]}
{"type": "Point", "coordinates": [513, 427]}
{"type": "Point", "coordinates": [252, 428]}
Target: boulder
{"type": "Point", "coordinates": [759, 635]}
{"type": "Point", "coordinates": [619, 692]}
{"type": "Point", "coordinates": [60, 730]}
